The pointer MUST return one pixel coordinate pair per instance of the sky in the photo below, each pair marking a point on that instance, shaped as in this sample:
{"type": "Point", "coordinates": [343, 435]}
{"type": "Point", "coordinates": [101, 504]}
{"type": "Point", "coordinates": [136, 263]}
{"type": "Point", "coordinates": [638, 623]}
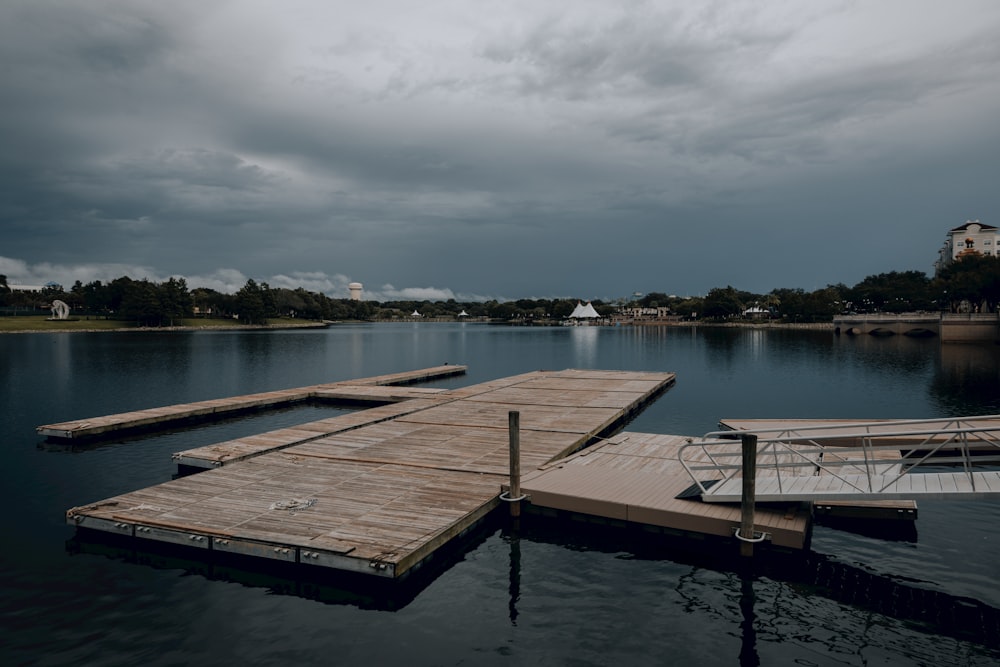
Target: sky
{"type": "Point", "coordinates": [472, 150]}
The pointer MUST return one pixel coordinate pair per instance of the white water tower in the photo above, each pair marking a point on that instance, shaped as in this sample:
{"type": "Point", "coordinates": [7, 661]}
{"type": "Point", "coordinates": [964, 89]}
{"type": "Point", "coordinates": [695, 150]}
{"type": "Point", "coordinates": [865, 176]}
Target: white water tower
{"type": "Point", "coordinates": [355, 291]}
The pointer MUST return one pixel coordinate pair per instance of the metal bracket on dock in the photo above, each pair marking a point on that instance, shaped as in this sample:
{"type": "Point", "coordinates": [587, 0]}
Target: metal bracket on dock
{"type": "Point", "coordinates": [758, 536]}
{"type": "Point", "coordinates": [505, 496]}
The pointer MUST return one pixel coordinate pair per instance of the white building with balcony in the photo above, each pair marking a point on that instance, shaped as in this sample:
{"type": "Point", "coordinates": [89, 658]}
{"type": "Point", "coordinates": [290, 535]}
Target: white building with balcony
{"type": "Point", "coordinates": [972, 237]}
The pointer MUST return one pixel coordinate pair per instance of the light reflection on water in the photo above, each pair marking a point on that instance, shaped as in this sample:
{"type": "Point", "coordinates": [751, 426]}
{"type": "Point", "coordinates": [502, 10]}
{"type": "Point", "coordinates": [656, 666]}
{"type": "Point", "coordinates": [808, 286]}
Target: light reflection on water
{"type": "Point", "coordinates": [550, 593]}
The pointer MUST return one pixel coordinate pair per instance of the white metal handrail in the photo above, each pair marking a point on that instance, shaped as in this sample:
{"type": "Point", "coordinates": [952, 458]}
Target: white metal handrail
{"type": "Point", "coordinates": [784, 452]}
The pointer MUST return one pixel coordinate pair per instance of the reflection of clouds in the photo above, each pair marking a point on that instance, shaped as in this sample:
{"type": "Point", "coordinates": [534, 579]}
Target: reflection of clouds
{"type": "Point", "coordinates": [584, 346]}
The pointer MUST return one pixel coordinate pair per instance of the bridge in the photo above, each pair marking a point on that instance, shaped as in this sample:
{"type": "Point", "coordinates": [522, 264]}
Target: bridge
{"type": "Point", "coordinates": [908, 324]}
{"type": "Point", "coordinates": [950, 327]}
{"type": "Point", "coordinates": [888, 460]}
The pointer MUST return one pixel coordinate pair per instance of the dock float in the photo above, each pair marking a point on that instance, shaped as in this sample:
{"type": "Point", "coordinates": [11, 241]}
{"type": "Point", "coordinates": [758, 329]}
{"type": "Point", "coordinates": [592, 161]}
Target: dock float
{"type": "Point", "coordinates": [637, 478]}
{"type": "Point", "coordinates": [379, 389]}
{"type": "Point", "coordinates": [378, 497]}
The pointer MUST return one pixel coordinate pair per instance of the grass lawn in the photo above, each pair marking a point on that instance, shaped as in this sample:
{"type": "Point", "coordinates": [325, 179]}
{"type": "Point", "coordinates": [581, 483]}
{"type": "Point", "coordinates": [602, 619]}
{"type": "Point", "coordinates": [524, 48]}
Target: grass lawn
{"type": "Point", "coordinates": [42, 323]}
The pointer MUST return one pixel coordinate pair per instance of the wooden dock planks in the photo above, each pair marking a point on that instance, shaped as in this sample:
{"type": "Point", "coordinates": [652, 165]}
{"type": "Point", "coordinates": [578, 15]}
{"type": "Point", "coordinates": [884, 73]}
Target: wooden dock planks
{"type": "Point", "coordinates": [163, 416]}
{"type": "Point", "coordinates": [381, 496]}
{"type": "Point", "coordinates": [240, 449]}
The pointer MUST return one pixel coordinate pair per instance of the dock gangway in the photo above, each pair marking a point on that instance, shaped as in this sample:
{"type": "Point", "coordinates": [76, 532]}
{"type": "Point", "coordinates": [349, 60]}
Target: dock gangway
{"type": "Point", "coordinates": [955, 457]}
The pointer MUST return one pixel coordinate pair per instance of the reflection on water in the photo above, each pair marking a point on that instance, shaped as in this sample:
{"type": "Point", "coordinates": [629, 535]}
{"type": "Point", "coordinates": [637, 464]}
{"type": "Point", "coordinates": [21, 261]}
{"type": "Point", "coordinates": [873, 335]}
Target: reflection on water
{"type": "Point", "coordinates": [799, 602]}
{"type": "Point", "coordinates": [966, 380]}
{"type": "Point", "coordinates": [513, 538]}
{"type": "Point", "coordinates": [584, 339]}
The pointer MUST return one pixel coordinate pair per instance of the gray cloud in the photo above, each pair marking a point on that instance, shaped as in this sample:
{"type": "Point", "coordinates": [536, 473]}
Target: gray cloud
{"type": "Point", "coordinates": [510, 149]}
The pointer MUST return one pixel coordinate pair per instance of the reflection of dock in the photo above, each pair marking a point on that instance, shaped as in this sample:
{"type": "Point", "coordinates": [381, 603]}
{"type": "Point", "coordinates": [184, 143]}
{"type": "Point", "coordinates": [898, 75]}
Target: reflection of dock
{"type": "Point", "coordinates": [381, 497]}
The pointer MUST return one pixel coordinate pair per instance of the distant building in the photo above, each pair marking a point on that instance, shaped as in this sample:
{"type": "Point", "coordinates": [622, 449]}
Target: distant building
{"type": "Point", "coordinates": [971, 238]}
{"type": "Point", "coordinates": [355, 289]}
{"type": "Point", "coordinates": [647, 312]}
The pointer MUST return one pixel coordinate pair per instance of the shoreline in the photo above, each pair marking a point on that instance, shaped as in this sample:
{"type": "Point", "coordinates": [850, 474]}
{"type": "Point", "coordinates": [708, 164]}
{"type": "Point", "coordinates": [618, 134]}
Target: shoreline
{"type": "Point", "coordinates": [227, 327]}
{"type": "Point", "coordinates": [811, 326]}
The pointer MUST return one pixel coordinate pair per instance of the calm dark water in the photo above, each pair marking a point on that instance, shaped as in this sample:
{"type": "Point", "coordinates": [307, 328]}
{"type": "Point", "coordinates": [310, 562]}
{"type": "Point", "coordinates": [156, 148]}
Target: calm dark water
{"type": "Point", "coordinates": [546, 593]}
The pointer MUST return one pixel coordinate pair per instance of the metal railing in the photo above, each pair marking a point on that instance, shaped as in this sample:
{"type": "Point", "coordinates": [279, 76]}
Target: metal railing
{"type": "Point", "coordinates": [863, 448]}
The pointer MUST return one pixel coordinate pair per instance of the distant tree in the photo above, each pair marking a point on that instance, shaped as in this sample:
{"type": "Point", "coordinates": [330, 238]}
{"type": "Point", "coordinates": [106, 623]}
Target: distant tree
{"type": "Point", "coordinates": [821, 305]}
{"type": "Point", "coordinates": [973, 279]}
{"type": "Point", "coordinates": [502, 311]}
{"type": "Point", "coordinates": [690, 308]}
{"type": "Point", "coordinates": [894, 292]}
{"type": "Point", "coordinates": [53, 291]}
{"type": "Point", "coordinates": [269, 299]}
{"type": "Point", "coordinates": [288, 302]}
{"type": "Point", "coordinates": [208, 300]}
{"type": "Point", "coordinates": [791, 302]}
{"type": "Point", "coordinates": [75, 298]}
{"type": "Point", "coordinates": [723, 302]}
{"type": "Point", "coordinates": [117, 289]}
{"type": "Point", "coordinates": [561, 308]}
{"type": "Point", "coordinates": [653, 300]}
{"type": "Point", "coordinates": [250, 303]}
{"type": "Point", "coordinates": [96, 298]}
{"type": "Point", "coordinates": [175, 300]}
{"type": "Point", "coordinates": [141, 302]}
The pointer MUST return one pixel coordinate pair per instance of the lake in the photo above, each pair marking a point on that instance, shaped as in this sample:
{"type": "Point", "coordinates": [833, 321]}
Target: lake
{"type": "Point", "coordinates": [545, 592]}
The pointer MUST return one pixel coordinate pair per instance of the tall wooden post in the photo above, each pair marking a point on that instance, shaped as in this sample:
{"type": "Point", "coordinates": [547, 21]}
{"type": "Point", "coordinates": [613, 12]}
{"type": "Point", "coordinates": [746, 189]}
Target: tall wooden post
{"type": "Point", "coordinates": [747, 500]}
{"type": "Point", "coordinates": [514, 430]}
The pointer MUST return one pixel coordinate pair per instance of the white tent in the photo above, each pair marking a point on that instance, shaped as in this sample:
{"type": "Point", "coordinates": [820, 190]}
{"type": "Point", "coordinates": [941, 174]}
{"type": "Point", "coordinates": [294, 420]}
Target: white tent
{"type": "Point", "coordinates": [463, 314]}
{"type": "Point", "coordinates": [416, 314]}
{"type": "Point", "coordinates": [584, 312]}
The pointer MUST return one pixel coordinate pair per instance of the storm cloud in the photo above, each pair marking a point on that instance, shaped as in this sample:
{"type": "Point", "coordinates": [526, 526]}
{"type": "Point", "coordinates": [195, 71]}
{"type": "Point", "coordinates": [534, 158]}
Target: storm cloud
{"type": "Point", "coordinates": [501, 150]}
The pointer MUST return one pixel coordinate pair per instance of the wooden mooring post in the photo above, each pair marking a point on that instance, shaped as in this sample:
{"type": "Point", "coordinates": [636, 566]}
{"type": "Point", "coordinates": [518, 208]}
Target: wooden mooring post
{"type": "Point", "coordinates": [514, 492]}
{"type": "Point", "coordinates": [746, 532]}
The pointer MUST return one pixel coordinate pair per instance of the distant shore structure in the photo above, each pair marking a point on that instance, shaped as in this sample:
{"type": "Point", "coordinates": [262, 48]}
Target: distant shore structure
{"type": "Point", "coordinates": [355, 289]}
{"type": "Point", "coordinates": [972, 238]}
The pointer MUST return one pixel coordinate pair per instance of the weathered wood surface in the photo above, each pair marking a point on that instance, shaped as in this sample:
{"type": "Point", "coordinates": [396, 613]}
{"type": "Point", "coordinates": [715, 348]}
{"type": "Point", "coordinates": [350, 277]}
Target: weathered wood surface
{"type": "Point", "coordinates": [240, 449]}
{"type": "Point", "coordinates": [162, 416]}
{"type": "Point", "coordinates": [380, 497]}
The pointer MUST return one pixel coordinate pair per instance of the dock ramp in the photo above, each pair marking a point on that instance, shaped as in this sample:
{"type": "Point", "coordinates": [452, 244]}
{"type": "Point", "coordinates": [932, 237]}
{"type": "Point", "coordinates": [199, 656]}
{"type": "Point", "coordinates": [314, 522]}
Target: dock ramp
{"type": "Point", "coordinates": [886, 460]}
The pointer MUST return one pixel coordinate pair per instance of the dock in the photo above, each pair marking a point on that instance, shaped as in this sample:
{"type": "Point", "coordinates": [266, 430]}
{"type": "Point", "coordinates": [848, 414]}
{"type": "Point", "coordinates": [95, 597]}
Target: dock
{"type": "Point", "coordinates": [380, 490]}
{"type": "Point", "coordinates": [379, 389]}
{"type": "Point", "coordinates": [638, 478]}
{"type": "Point", "coordinates": [379, 495]}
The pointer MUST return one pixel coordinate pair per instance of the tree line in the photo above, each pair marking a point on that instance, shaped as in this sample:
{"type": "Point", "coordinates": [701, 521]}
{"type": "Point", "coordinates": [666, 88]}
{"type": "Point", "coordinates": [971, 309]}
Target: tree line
{"type": "Point", "coordinates": [969, 284]}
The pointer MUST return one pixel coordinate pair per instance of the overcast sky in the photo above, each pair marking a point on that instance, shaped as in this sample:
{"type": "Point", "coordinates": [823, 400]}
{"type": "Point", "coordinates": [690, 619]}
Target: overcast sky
{"type": "Point", "coordinates": [493, 150]}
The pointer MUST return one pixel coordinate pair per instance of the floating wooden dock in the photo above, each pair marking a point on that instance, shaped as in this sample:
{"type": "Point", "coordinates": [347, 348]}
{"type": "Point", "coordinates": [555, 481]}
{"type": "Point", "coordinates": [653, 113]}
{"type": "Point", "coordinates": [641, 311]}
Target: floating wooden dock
{"type": "Point", "coordinates": [380, 490]}
{"type": "Point", "coordinates": [379, 389]}
{"type": "Point", "coordinates": [376, 496]}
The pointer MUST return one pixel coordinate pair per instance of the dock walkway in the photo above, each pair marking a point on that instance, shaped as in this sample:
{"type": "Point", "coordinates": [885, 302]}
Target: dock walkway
{"type": "Point", "coordinates": [381, 496]}
{"type": "Point", "coordinates": [378, 389]}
